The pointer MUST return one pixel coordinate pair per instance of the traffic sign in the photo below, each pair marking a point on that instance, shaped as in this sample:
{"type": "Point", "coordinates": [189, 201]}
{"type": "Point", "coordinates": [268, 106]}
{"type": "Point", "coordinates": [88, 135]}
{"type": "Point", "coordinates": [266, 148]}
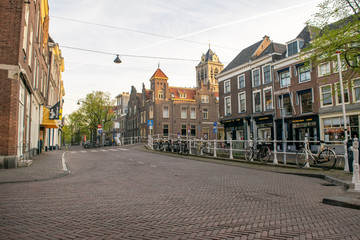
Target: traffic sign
{"type": "Point", "coordinates": [150, 123]}
{"type": "Point", "coordinates": [215, 124]}
{"type": "Point", "coordinates": [100, 131]}
{"type": "Point", "coordinates": [99, 126]}
{"type": "Point", "coordinates": [215, 130]}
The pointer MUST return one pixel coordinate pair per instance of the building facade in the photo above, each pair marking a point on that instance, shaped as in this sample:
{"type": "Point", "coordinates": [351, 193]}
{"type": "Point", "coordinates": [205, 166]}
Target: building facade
{"type": "Point", "coordinates": [30, 75]}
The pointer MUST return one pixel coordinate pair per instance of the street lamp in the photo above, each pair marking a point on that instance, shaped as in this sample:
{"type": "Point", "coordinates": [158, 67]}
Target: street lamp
{"type": "Point", "coordinates": [117, 59]}
{"type": "Point", "coordinates": [346, 167]}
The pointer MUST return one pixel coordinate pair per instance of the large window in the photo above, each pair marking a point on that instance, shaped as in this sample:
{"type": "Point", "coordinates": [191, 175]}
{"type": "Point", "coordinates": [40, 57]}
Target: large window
{"type": "Point", "coordinates": [165, 112]}
{"type": "Point", "coordinates": [205, 113]}
{"type": "Point", "coordinates": [227, 108]}
{"type": "Point", "coordinates": [306, 101]}
{"type": "Point", "coordinates": [183, 129]}
{"type": "Point", "coordinates": [242, 102]}
{"type": "Point", "coordinates": [284, 78]}
{"type": "Point", "coordinates": [192, 113]}
{"type": "Point", "coordinates": [183, 112]}
{"type": "Point", "coordinates": [268, 99]}
{"type": "Point", "coordinates": [241, 81]}
{"type": "Point", "coordinates": [227, 86]}
{"type": "Point", "coordinates": [193, 131]}
{"type": "Point", "coordinates": [256, 77]}
{"type": "Point", "coordinates": [356, 90]}
{"type": "Point", "coordinates": [285, 105]}
{"type": "Point", "coordinates": [166, 129]}
{"type": "Point", "coordinates": [304, 73]}
{"type": "Point", "coordinates": [324, 69]}
{"type": "Point", "coordinates": [292, 48]}
{"type": "Point", "coordinates": [267, 74]}
{"type": "Point", "coordinates": [338, 93]}
{"type": "Point", "coordinates": [205, 98]}
{"type": "Point", "coordinates": [326, 96]}
{"type": "Point", "coordinates": [257, 101]}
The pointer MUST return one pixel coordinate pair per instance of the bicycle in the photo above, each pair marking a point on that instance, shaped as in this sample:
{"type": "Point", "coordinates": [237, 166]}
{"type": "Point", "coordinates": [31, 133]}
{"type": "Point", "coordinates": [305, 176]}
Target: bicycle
{"type": "Point", "coordinates": [263, 153]}
{"type": "Point", "coordinates": [325, 156]}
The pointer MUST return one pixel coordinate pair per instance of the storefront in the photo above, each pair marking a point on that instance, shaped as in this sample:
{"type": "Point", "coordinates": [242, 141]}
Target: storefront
{"type": "Point", "coordinates": [264, 127]}
{"type": "Point", "coordinates": [333, 127]}
{"type": "Point", "coordinates": [236, 129]}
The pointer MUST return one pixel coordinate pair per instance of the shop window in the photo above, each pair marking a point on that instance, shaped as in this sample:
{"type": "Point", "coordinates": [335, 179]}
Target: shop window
{"type": "Point", "coordinates": [326, 96]}
{"type": "Point", "coordinates": [338, 93]}
{"type": "Point", "coordinates": [166, 130]}
{"type": "Point", "coordinates": [334, 128]}
{"type": "Point", "coordinates": [306, 101]}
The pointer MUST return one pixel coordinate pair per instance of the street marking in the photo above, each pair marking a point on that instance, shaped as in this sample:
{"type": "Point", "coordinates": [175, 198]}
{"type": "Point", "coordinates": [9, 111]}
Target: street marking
{"type": "Point", "coordinates": [64, 163]}
{"type": "Point", "coordinates": [141, 162]}
{"type": "Point", "coordinates": [123, 149]}
{"type": "Point", "coordinates": [83, 151]}
{"type": "Point", "coordinates": [113, 150]}
{"type": "Point", "coordinates": [73, 152]}
{"type": "Point", "coordinates": [152, 165]}
{"type": "Point", "coordinates": [93, 151]}
{"type": "Point", "coordinates": [131, 159]}
{"type": "Point", "coordinates": [103, 150]}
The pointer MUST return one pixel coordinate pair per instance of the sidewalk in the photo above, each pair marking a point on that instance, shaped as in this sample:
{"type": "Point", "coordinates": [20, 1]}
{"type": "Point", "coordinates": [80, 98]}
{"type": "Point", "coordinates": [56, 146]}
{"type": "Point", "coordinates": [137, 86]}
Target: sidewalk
{"type": "Point", "coordinates": [49, 165]}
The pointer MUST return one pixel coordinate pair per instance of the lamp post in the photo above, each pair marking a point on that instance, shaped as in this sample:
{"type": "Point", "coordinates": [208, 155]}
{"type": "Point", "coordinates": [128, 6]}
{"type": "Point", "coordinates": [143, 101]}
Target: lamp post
{"type": "Point", "coordinates": [346, 167]}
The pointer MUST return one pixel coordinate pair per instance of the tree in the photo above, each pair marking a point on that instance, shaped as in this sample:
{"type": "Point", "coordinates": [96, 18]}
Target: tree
{"type": "Point", "coordinates": [336, 28]}
{"type": "Point", "coordinates": [97, 108]}
{"type": "Point", "coordinates": [75, 127]}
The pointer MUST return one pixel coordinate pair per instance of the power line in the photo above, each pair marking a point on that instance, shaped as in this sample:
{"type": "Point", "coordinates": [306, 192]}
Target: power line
{"type": "Point", "coordinates": [141, 32]}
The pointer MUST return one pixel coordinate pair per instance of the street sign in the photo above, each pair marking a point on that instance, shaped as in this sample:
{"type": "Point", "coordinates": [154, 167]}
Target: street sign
{"type": "Point", "coordinates": [215, 124]}
{"type": "Point", "coordinates": [100, 131]}
{"type": "Point", "coordinates": [150, 123]}
{"type": "Point", "coordinates": [215, 130]}
{"type": "Point", "coordinates": [99, 126]}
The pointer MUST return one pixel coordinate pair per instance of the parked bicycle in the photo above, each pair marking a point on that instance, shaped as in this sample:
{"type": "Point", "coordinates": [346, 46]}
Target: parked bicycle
{"type": "Point", "coordinates": [325, 156]}
{"type": "Point", "coordinates": [261, 151]}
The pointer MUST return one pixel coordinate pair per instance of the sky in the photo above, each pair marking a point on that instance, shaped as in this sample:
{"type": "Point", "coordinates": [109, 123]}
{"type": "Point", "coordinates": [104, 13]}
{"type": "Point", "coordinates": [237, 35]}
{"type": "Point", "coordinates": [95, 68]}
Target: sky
{"type": "Point", "coordinates": [135, 30]}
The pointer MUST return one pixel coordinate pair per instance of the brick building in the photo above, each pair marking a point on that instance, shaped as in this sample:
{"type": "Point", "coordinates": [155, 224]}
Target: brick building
{"type": "Point", "coordinates": [30, 76]}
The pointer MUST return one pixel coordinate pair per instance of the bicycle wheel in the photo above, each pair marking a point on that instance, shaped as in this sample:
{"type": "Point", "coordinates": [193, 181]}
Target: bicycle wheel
{"type": "Point", "coordinates": [301, 158]}
{"type": "Point", "coordinates": [327, 159]}
{"type": "Point", "coordinates": [265, 155]}
{"type": "Point", "coordinates": [249, 154]}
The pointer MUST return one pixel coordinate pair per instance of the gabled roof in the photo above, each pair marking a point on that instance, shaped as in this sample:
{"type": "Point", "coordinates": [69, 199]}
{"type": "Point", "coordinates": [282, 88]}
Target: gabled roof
{"type": "Point", "coordinates": [159, 74]}
{"type": "Point", "coordinates": [190, 93]}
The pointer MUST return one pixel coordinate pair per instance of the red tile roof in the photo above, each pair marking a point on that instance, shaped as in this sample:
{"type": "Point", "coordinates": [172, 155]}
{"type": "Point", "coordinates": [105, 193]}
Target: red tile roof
{"type": "Point", "coordinates": [159, 74]}
{"type": "Point", "coordinates": [175, 93]}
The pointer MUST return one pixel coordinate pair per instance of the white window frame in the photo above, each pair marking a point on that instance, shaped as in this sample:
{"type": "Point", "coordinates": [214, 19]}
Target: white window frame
{"type": "Point", "coordinates": [181, 113]}
{"type": "Point", "coordinates": [207, 113]}
{"type": "Point", "coordinates": [161, 95]}
{"type": "Point", "coordinates": [338, 92]}
{"type": "Point", "coordinates": [238, 81]}
{"type": "Point", "coordinates": [225, 86]}
{"type": "Point", "coordinates": [353, 90]}
{"type": "Point", "coordinates": [272, 100]}
{"type": "Point", "coordinates": [192, 113]}
{"type": "Point", "coordinates": [297, 48]}
{"type": "Point", "coordinates": [298, 73]}
{"type": "Point", "coordinates": [321, 74]}
{"type": "Point", "coordinates": [225, 108]}
{"type": "Point", "coordinates": [204, 98]}
{"type": "Point", "coordinates": [263, 73]}
{"type": "Point", "coordinates": [239, 102]}
{"type": "Point", "coordinates": [280, 79]}
{"type": "Point", "coordinates": [321, 96]}
{"type": "Point", "coordinates": [252, 77]}
{"type": "Point", "coordinates": [166, 116]}
{"type": "Point", "coordinates": [253, 97]}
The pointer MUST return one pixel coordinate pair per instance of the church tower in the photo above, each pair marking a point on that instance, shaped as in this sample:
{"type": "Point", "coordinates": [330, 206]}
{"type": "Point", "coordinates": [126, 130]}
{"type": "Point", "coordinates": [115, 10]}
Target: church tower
{"type": "Point", "coordinates": [206, 71]}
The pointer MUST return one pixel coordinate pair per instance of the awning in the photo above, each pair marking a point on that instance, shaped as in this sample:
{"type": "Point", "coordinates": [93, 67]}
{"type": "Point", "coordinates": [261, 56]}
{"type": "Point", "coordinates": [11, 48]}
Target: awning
{"type": "Point", "coordinates": [46, 122]}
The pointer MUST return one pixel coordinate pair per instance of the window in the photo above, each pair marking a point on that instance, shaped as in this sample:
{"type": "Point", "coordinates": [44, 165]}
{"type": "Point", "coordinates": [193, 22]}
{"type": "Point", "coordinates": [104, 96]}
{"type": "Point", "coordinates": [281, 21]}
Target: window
{"type": "Point", "coordinates": [324, 69]}
{"type": "Point", "coordinates": [286, 111]}
{"type": "Point", "coordinates": [256, 77]}
{"type": "Point", "coordinates": [326, 97]}
{"type": "Point", "coordinates": [151, 113]}
{"type": "Point", "coordinates": [257, 101]}
{"type": "Point", "coordinates": [268, 99]}
{"type": "Point", "coordinates": [183, 112]}
{"type": "Point", "coordinates": [242, 102]}
{"type": "Point", "coordinates": [205, 113]}
{"type": "Point", "coordinates": [161, 94]}
{"type": "Point", "coordinates": [356, 90]}
{"type": "Point", "coordinates": [182, 95]}
{"type": "Point", "coordinates": [306, 101]}
{"type": "Point", "coordinates": [292, 48]}
{"type": "Point", "coordinates": [205, 98]}
{"type": "Point", "coordinates": [241, 81]}
{"type": "Point", "coordinates": [227, 103]}
{"type": "Point", "coordinates": [304, 73]}
{"type": "Point", "coordinates": [192, 113]}
{"type": "Point", "coordinates": [165, 112]}
{"type": "Point", "coordinates": [284, 78]}
{"type": "Point", "coordinates": [227, 86]}
{"type": "Point", "coordinates": [267, 74]}
{"type": "Point", "coordinates": [166, 130]}
{"type": "Point", "coordinates": [183, 129]}
{"type": "Point", "coordinates": [193, 130]}
{"type": "Point", "coordinates": [343, 66]}
{"type": "Point", "coordinates": [338, 93]}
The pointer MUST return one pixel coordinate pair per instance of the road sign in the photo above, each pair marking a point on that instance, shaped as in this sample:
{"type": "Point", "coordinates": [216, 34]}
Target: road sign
{"type": "Point", "coordinates": [100, 131]}
{"type": "Point", "coordinates": [215, 130]}
{"type": "Point", "coordinates": [150, 123]}
{"type": "Point", "coordinates": [215, 124]}
{"type": "Point", "coordinates": [99, 126]}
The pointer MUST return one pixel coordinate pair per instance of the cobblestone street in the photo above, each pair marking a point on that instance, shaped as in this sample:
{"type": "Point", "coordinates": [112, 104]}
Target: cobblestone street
{"type": "Point", "coordinates": [123, 193]}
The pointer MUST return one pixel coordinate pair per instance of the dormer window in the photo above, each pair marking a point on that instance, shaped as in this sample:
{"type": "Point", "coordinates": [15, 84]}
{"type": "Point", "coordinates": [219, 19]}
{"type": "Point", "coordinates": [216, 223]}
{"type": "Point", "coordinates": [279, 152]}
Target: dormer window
{"type": "Point", "coordinates": [294, 47]}
{"type": "Point", "coordinates": [182, 95]}
{"type": "Point", "coordinates": [172, 95]}
{"type": "Point", "coordinates": [161, 95]}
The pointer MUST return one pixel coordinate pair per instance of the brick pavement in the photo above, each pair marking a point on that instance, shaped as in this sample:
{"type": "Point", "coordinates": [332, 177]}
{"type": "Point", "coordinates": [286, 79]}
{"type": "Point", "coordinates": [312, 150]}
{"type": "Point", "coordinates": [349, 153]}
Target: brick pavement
{"type": "Point", "coordinates": [119, 195]}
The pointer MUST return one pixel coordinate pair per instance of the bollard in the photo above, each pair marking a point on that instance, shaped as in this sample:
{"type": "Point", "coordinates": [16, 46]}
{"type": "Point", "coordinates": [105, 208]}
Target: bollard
{"type": "Point", "coordinates": [275, 153]}
{"type": "Point", "coordinates": [356, 178]}
{"type": "Point", "coordinates": [307, 165]}
{"type": "Point", "coordinates": [201, 147]}
{"type": "Point", "coordinates": [190, 146]}
{"type": "Point", "coordinates": [231, 152]}
{"type": "Point", "coordinates": [215, 146]}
